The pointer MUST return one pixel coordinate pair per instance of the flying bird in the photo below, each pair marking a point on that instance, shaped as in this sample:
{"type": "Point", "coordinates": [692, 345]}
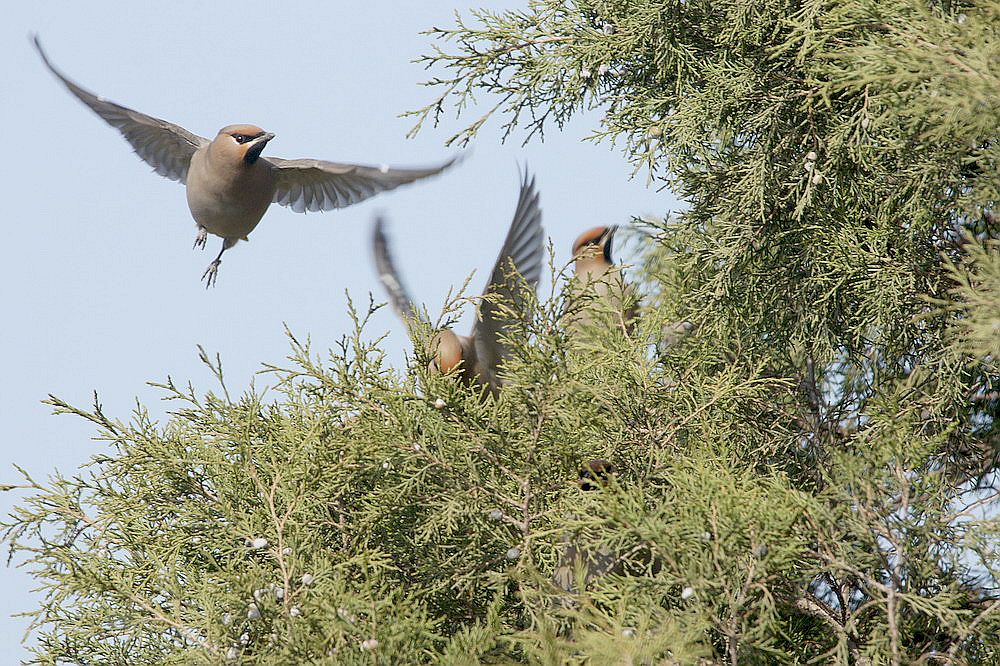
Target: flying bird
{"type": "Point", "coordinates": [600, 295]}
{"type": "Point", "coordinates": [479, 354]}
{"type": "Point", "coordinates": [229, 184]}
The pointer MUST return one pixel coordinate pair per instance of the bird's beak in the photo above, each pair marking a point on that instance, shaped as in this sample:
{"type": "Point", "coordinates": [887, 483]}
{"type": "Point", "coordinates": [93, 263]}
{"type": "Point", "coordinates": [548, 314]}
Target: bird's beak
{"type": "Point", "coordinates": [256, 147]}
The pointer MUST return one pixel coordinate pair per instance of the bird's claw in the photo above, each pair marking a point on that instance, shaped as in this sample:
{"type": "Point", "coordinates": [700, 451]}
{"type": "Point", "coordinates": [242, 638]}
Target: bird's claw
{"type": "Point", "coordinates": [201, 238]}
{"type": "Point", "coordinates": [211, 273]}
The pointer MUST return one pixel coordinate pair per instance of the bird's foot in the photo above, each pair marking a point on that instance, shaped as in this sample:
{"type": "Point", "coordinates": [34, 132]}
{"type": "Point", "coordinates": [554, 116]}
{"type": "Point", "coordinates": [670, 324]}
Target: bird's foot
{"type": "Point", "coordinates": [201, 238]}
{"type": "Point", "coordinates": [211, 273]}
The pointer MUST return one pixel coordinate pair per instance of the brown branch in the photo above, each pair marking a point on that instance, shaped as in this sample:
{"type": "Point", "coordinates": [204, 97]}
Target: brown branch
{"type": "Point", "coordinates": [953, 650]}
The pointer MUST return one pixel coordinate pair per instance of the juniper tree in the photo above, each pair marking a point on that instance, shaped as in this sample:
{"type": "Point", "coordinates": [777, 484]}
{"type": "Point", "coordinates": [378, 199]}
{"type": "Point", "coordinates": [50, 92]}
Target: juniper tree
{"type": "Point", "coordinates": [806, 476]}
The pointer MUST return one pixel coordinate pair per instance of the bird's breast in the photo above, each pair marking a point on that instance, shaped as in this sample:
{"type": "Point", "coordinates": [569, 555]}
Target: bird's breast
{"type": "Point", "coordinates": [228, 200]}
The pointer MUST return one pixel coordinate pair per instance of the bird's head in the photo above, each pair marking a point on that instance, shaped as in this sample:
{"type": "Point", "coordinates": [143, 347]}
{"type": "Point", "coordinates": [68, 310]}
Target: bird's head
{"type": "Point", "coordinates": [445, 352]}
{"type": "Point", "coordinates": [594, 242]}
{"type": "Point", "coordinates": [245, 142]}
{"type": "Point", "coordinates": [595, 474]}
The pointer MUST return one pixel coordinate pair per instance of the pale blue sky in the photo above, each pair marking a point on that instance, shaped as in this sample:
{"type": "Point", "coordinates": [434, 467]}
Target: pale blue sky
{"type": "Point", "coordinates": [101, 287]}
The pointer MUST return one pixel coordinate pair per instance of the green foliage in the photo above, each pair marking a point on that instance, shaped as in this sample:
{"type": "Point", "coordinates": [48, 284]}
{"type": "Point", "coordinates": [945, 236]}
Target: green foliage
{"type": "Point", "coordinates": [803, 421]}
{"type": "Point", "coordinates": [431, 527]}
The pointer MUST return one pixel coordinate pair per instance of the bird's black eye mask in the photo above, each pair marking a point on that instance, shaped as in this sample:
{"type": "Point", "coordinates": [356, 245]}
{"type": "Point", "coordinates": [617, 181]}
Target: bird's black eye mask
{"type": "Point", "coordinates": [595, 474]}
{"type": "Point", "coordinates": [243, 138]}
{"type": "Point", "coordinates": [253, 153]}
{"type": "Point", "coordinates": [606, 238]}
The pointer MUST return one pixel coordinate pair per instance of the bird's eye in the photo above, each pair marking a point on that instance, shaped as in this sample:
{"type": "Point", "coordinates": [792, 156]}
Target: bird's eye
{"type": "Point", "coordinates": [239, 138]}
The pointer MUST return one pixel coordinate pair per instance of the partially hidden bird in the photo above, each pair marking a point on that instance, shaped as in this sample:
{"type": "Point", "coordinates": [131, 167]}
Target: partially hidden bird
{"type": "Point", "coordinates": [599, 295]}
{"type": "Point", "coordinates": [229, 184]}
{"type": "Point", "coordinates": [580, 564]}
{"type": "Point", "coordinates": [477, 356]}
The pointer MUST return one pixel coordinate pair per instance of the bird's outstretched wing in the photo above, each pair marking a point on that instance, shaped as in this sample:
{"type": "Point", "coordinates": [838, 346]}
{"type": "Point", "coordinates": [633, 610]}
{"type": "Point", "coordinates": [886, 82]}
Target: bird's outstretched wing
{"type": "Point", "coordinates": [388, 275]}
{"type": "Point", "coordinates": [164, 146]}
{"type": "Point", "coordinates": [522, 251]}
{"type": "Point", "coordinates": [314, 185]}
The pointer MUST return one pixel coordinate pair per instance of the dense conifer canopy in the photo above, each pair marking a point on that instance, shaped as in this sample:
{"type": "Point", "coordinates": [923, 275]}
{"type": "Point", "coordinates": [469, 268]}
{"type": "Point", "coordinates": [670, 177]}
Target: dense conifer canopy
{"type": "Point", "coordinates": [803, 424]}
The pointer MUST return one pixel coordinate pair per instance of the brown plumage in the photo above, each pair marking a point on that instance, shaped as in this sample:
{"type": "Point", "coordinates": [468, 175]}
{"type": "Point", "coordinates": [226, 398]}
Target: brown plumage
{"type": "Point", "coordinates": [229, 185]}
{"type": "Point", "coordinates": [477, 356]}
{"type": "Point", "coordinates": [600, 296]}
{"type": "Point", "coordinates": [449, 352]}
{"type": "Point", "coordinates": [579, 563]}
{"type": "Point", "coordinates": [595, 474]}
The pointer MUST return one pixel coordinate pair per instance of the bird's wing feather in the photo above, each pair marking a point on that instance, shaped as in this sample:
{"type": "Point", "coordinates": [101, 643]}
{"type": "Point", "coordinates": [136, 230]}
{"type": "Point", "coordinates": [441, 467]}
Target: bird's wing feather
{"type": "Point", "coordinates": [389, 276]}
{"type": "Point", "coordinates": [523, 247]}
{"type": "Point", "coordinates": [315, 185]}
{"type": "Point", "coordinates": [164, 146]}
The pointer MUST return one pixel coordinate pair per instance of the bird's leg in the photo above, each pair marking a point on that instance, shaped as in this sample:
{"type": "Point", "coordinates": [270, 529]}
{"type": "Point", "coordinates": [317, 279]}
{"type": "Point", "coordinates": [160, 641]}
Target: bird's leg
{"type": "Point", "coordinates": [201, 238]}
{"type": "Point", "coordinates": [212, 272]}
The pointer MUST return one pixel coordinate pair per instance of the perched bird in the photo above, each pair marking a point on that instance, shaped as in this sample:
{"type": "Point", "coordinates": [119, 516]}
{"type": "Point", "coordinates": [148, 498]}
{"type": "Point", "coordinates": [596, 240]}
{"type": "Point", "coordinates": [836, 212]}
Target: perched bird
{"type": "Point", "coordinates": [479, 354]}
{"type": "Point", "coordinates": [581, 564]}
{"type": "Point", "coordinates": [595, 474]}
{"type": "Point", "coordinates": [229, 184]}
{"type": "Point", "coordinates": [600, 295]}
{"type": "Point", "coordinates": [671, 335]}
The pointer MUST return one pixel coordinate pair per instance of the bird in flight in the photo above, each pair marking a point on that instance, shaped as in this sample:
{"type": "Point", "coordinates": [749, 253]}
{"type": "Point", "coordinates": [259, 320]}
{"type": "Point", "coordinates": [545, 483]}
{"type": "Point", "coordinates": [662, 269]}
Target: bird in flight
{"type": "Point", "coordinates": [229, 184]}
{"type": "Point", "coordinates": [479, 354]}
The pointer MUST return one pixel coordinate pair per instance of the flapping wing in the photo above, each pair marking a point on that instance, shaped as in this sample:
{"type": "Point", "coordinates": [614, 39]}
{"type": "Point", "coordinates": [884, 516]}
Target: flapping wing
{"type": "Point", "coordinates": [388, 275]}
{"type": "Point", "coordinates": [164, 146]}
{"type": "Point", "coordinates": [314, 185]}
{"type": "Point", "coordinates": [523, 247]}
